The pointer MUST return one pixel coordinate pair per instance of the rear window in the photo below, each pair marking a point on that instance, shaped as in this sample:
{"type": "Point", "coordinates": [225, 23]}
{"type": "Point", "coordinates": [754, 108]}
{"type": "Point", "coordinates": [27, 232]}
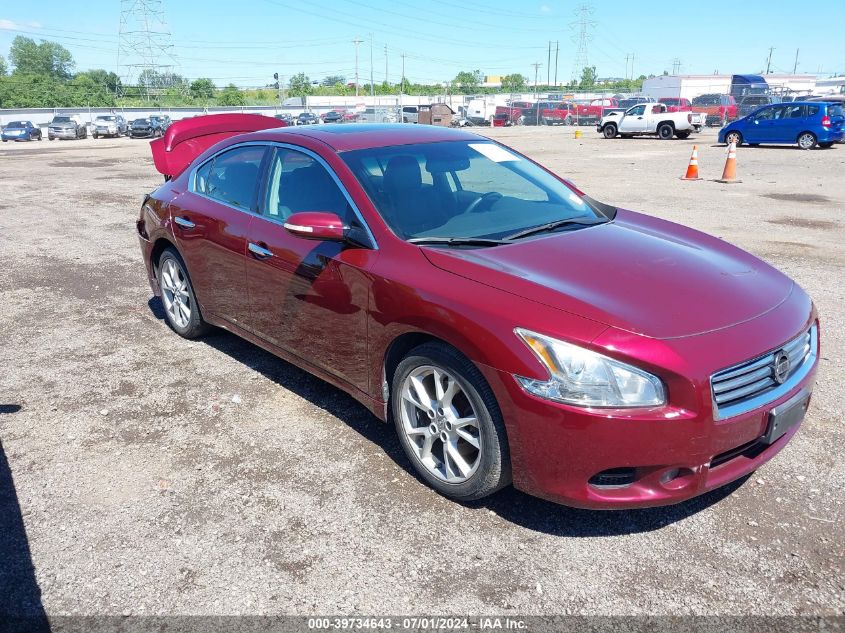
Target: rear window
{"type": "Point", "coordinates": [670, 101]}
{"type": "Point", "coordinates": [17, 124]}
{"type": "Point", "coordinates": [706, 100]}
{"type": "Point", "coordinates": [812, 110]}
{"type": "Point", "coordinates": [835, 110]}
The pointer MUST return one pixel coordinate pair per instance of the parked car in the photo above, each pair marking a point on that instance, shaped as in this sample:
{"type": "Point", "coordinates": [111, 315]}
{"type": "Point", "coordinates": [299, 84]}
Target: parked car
{"type": "Point", "coordinates": [21, 131]}
{"type": "Point", "coordinates": [410, 114]}
{"type": "Point", "coordinates": [718, 109]}
{"type": "Point", "coordinates": [66, 127]}
{"type": "Point", "coordinates": [145, 128]}
{"type": "Point", "coordinates": [747, 104]}
{"type": "Point", "coordinates": [676, 104]}
{"type": "Point", "coordinates": [162, 120]}
{"type": "Point", "coordinates": [307, 118]}
{"type": "Point", "coordinates": [511, 327]}
{"type": "Point", "coordinates": [332, 116]}
{"type": "Point", "coordinates": [377, 115]}
{"type": "Point", "coordinates": [805, 123]}
{"type": "Point", "coordinates": [109, 125]}
{"type": "Point", "coordinates": [647, 118]}
{"type": "Point", "coordinates": [630, 102]}
{"type": "Point", "coordinates": [286, 117]}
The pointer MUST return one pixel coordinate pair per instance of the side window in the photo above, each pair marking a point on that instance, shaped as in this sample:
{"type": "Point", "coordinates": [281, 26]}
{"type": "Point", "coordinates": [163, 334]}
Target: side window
{"type": "Point", "coordinates": [793, 112]}
{"type": "Point", "coordinates": [297, 183]}
{"type": "Point", "coordinates": [766, 114]}
{"type": "Point", "coordinates": [637, 110]}
{"type": "Point", "coordinates": [812, 110]}
{"type": "Point", "coordinates": [232, 177]}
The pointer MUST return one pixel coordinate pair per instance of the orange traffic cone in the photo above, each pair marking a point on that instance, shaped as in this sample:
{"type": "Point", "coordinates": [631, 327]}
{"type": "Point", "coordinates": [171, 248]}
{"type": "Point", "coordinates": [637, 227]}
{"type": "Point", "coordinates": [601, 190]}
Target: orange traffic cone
{"type": "Point", "coordinates": [692, 169]}
{"type": "Point", "coordinates": [729, 174]}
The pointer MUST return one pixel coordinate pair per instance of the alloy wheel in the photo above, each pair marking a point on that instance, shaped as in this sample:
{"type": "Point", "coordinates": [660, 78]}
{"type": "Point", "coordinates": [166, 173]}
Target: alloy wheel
{"type": "Point", "coordinates": [806, 141]}
{"type": "Point", "coordinates": [440, 424]}
{"type": "Point", "coordinates": [174, 292]}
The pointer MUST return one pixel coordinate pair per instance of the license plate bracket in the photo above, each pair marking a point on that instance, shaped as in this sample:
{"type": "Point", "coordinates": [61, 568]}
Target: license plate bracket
{"type": "Point", "coordinates": [785, 416]}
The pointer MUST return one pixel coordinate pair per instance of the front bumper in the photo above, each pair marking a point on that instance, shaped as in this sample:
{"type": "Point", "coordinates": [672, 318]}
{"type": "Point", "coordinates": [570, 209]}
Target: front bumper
{"type": "Point", "coordinates": [102, 131]}
{"type": "Point", "coordinates": [64, 133]}
{"type": "Point", "coordinates": [571, 455]}
{"type": "Point", "coordinates": [141, 133]}
{"type": "Point", "coordinates": [15, 137]}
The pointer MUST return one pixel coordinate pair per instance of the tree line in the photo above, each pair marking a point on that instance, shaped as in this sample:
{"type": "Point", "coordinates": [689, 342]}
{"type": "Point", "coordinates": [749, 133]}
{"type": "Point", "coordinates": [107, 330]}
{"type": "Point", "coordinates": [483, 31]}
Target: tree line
{"type": "Point", "coordinates": [41, 75]}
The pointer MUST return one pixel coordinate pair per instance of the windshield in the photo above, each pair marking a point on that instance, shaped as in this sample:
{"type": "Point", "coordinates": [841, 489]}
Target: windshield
{"type": "Point", "coordinates": [17, 124]}
{"type": "Point", "coordinates": [62, 119]}
{"type": "Point", "coordinates": [670, 101]}
{"type": "Point", "coordinates": [140, 122]}
{"type": "Point", "coordinates": [462, 189]}
{"type": "Point", "coordinates": [106, 118]}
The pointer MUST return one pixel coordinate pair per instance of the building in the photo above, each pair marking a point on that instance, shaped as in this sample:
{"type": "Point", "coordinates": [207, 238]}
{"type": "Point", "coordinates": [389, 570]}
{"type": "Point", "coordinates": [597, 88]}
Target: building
{"type": "Point", "coordinates": [691, 86]}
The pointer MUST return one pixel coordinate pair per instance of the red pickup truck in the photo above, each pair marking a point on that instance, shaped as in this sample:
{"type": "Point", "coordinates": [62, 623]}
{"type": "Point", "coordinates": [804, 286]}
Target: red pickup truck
{"type": "Point", "coordinates": [515, 111]}
{"type": "Point", "coordinates": [592, 112]}
{"type": "Point", "coordinates": [674, 104]}
{"type": "Point", "coordinates": [718, 109]}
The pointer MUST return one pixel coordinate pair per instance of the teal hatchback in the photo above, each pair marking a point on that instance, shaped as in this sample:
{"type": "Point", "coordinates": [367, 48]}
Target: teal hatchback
{"type": "Point", "coordinates": [805, 123]}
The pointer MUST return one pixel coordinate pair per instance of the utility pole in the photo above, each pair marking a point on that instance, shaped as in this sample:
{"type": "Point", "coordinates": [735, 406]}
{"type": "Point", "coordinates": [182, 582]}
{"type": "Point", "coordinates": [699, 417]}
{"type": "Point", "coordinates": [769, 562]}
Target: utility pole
{"type": "Point", "coordinates": [536, 95]}
{"type": "Point", "coordinates": [557, 51]}
{"type": "Point", "coordinates": [356, 41]}
{"type": "Point", "coordinates": [549, 65]}
{"type": "Point", "coordinates": [278, 79]}
{"type": "Point", "coordinates": [385, 65]}
{"type": "Point", "coordinates": [676, 66]}
{"type": "Point", "coordinates": [795, 66]}
{"type": "Point", "coordinates": [633, 55]}
{"type": "Point", "coordinates": [372, 84]}
{"type": "Point", "coordinates": [769, 61]}
{"type": "Point", "coordinates": [627, 57]}
{"type": "Point", "coordinates": [402, 81]}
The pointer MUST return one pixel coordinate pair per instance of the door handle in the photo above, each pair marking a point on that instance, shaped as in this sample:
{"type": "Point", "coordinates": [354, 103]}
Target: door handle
{"type": "Point", "coordinates": [259, 251]}
{"type": "Point", "coordinates": [185, 223]}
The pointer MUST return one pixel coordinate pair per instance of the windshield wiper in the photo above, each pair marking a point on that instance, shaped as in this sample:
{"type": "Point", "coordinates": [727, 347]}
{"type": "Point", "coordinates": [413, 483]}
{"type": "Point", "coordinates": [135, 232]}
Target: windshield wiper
{"type": "Point", "coordinates": [551, 226]}
{"type": "Point", "coordinates": [457, 241]}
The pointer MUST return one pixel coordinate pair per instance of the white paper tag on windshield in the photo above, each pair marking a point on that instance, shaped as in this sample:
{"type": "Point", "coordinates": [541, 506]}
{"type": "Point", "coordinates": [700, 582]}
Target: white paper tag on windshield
{"type": "Point", "coordinates": [494, 152]}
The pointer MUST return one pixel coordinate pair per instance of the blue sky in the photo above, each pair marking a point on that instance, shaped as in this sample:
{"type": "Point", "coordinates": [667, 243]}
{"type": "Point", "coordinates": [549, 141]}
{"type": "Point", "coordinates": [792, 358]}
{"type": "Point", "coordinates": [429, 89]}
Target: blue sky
{"type": "Point", "coordinates": [246, 42]}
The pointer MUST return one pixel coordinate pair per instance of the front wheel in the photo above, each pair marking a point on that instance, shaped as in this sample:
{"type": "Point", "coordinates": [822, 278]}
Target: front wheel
{"type": "Point", "coordinates": [609, 131]}
{"type": "Point", "coordinates": [177, 295]}
{"type": "Point", "coordinates": [733, 137]}
{"type": "Point", "coordinates": [665, 131]}
{"type": "Point", "coordinates": [807, 140]}
{"type": "Point", "coordinates": [449, 423]}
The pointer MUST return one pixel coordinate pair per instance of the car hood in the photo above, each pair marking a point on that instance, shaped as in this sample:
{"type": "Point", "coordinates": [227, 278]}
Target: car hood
{"type": "Point", "coordinates": [637, 273]}
{"type": "Point", "coordinates": [63, 124]}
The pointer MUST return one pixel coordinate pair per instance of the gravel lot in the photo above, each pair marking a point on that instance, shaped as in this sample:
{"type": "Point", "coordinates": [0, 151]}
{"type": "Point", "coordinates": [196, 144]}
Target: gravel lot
{"type": "Point", "coordinates": [144, 474]}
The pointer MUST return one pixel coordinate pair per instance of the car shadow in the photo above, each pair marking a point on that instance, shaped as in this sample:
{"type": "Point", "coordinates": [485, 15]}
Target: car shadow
{"type": "Point", "coordinates": [20, 596]}
{"type": "Point", "coordinates": [510, 504]}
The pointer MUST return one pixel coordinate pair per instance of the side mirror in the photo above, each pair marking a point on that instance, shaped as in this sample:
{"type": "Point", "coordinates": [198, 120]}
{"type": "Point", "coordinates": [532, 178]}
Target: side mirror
{"type": "Point", "coordinates": [316, 225]}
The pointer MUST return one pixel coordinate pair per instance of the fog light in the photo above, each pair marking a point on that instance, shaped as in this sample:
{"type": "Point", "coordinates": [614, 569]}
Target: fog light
{"type": "Point", "coordinates": [613, 478]}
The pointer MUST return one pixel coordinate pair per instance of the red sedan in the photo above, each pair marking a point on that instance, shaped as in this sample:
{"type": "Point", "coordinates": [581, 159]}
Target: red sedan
{"type": "Point", "coordinates": [511, 327]}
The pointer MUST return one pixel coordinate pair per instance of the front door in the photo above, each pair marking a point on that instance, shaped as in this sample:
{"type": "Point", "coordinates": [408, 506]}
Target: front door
{"type": "Point", "coordinates": [210, 224]}
{"type": "Point", "coordinates": [760, 128]}
{"type": "Point", "coordinates": [308, 297]}
{"type": "Point", "coordinates": [634, 120]}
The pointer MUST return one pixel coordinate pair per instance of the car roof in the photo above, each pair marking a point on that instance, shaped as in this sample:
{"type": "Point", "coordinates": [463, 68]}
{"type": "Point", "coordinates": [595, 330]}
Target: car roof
{"type": "Point", "coordinates": [344, 138]}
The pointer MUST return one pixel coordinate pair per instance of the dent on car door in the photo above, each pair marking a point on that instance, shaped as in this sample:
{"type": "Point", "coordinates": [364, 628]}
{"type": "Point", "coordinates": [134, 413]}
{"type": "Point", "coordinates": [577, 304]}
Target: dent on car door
{"type": "Point", "coordinates": [309, 297]}
{"type": "Point", "coordinates": [210, 222]}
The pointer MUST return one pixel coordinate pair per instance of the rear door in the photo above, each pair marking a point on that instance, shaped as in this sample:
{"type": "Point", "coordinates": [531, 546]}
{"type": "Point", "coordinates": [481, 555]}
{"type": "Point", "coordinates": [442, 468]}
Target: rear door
{"type": "Point", "coordinates": [309, 297]}
{"type": "Point", "coordinates": [790, 121]}
{"type": "Point", "coordinates": [210, 223]}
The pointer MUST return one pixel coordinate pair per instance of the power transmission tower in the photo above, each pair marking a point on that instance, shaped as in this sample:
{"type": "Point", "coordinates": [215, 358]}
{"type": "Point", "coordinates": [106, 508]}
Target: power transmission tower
{"type": "Point", "coordinates": [145, 54]}
{"type": "Point", "coordinates": [583, 24]}
{"type": "Point", "coordinates": [676, 66]}
{"type": "Point", "coordinates": [356, 41]}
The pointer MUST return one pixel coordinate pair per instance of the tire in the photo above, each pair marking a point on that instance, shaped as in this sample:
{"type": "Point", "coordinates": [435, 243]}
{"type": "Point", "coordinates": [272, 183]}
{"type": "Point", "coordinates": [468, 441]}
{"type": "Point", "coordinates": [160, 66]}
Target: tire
{"type": "Point", "coordinates": [682, 135]}
{"type": "Point", "coordinates": [825, 145]}
{"type": "Point", "coordinates": [95, 135]}
{"type": "Point", "coordinates": [626, 136]}
{"type": "Point", "coordinates": [665, 131]}
{"type": "Point", "coordinates": [733, 137]}
{"type": "Point", "coordinates": [807, 140]}
{"type": "Point", "coordinates": [50, 138]}
{"type": "Point", "coordinates": [175, 282]}
{"type": "Point", "coordinates": [609, 130]}
{"type": "Point", "coordinates": [478, 463]}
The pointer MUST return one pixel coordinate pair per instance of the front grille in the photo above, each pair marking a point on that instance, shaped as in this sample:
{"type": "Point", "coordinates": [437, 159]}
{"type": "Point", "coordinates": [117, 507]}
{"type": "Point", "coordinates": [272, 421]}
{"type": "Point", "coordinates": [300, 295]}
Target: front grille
{"type": "Point", "coordinates": [745, 386]}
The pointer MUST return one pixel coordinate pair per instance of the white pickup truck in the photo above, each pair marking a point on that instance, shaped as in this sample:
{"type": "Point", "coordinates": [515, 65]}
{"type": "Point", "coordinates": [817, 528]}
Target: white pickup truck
{"type": "Point", "coordinates": [650, 118]}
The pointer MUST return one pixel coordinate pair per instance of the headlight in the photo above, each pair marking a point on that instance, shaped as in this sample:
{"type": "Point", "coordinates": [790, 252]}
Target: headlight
{"type": "Point", "coordinates": [587, 379]}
